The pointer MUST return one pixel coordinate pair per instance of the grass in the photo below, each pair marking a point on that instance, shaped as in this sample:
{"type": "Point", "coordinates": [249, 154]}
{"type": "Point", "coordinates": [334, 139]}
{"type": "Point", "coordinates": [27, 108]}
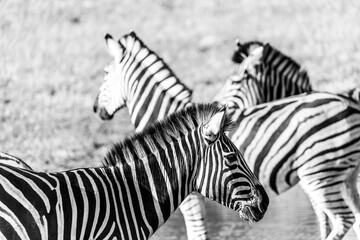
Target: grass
{"type": "Point", "coordinates": [53, 54]}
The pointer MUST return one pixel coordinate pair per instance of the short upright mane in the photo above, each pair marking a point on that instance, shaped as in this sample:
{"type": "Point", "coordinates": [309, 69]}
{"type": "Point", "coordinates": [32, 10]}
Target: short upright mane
{"type": "Point", "coordinates": [129, 41]}
{"type": "Point", "coordinates": [162, 132]}
{"type": "Point", "coordinates": [270, 53]}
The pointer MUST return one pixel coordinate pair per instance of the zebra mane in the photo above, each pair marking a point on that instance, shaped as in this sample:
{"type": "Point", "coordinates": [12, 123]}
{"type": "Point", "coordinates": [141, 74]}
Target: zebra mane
{"type": "Point", "coordinates": [130, 40]}
{"type": "Point", "coordinates": [244, 50]}
{"type": "Point", "coordinates": [270, 53]}
{"type": "Point", "coordinates": [161, 133]}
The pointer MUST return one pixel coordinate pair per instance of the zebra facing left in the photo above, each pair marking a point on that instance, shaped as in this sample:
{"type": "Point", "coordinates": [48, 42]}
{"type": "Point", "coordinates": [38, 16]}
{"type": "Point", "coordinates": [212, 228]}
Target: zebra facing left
{"type": "Point", "coordinates": [144, 179]}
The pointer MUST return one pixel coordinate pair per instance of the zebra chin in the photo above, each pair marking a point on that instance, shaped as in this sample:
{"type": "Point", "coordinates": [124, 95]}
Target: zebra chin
{"type": "Point", "coordinates": [254, 208]}
{"type": "Point", "coordinates": [104, 115]}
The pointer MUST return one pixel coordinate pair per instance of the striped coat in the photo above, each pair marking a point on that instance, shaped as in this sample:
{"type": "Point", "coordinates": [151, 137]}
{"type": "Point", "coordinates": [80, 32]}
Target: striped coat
{"type": "Point", "coordinates": [144, 179]}
{"type": "Point", "coordinates": [313, 139]}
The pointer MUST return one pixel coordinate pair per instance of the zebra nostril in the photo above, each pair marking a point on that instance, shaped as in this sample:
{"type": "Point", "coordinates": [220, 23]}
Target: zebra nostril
{"type": "Point", "coordinates": [95, 106]}
{"type": "Point", "coordinates": [263, 198]}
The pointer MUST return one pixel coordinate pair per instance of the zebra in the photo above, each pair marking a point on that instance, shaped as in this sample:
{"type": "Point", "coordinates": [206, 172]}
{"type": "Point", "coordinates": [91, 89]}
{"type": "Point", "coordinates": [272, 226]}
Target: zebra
{"type": "Point", "coordinates": [312, 139]}
{"type": "Point", "coordinates": [8, 159]}
{"type": "Point", "coordinates": [121, 81]}
{"type": "Point", "coordinates": [160, 88]}
{"type": "Point", "coordinates": [139, 79]}
{"type": "Point", "coordinates": [265, 74]}
{"type": "Point", "coordinates": [143, 180]}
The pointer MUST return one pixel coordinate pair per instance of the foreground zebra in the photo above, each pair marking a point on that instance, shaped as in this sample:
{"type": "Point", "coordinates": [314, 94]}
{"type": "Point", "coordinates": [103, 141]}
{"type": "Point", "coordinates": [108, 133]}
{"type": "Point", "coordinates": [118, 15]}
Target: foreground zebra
{"type": "Point", "coordinates": [8, 159]}
{"type": "Point", "coordinates": [144, 179]}
{"type": "Point", "coordinates": [140, 80]}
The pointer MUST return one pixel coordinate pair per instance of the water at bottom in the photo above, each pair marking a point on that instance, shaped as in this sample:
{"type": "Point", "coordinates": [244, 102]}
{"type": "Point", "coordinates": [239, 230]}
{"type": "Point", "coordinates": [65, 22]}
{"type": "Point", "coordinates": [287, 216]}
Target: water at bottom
{"type": "Point", "coordinates": [289, 216]}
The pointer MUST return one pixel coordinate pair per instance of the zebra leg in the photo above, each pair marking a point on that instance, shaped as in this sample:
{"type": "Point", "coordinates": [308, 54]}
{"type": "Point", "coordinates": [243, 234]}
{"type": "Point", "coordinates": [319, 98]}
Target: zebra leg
{"type": "Point", "coordinates": [341, 225]}
{"type": "Point", "coordinates": [324, 221]}
{"type": "Point", "coordinates": [332, 203]}
{"type": "Point", "coordinates": [193, 210]}
{"type": "Point", "coordinates": [351, 196]}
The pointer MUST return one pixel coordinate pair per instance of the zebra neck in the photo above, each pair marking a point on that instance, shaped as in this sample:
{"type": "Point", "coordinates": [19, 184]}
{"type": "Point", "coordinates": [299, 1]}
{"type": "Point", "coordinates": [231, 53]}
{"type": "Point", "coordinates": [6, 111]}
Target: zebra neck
{"type": "Point", "coordinates": [156, 105]}
{"type": "Point", "coordinates": [160, 180]}
{"type": "Point", "coordinates": [245, 93]}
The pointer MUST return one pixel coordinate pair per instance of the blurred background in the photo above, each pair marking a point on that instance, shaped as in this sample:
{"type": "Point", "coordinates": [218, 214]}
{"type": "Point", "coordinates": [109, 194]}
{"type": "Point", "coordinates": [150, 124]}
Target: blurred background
{"type": "Point", "coordinates": [53, 54]}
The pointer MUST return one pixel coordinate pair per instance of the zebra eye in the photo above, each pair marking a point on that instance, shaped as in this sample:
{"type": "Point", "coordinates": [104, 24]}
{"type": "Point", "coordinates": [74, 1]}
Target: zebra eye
{"type": "Point", "coordinates": [231, 158]}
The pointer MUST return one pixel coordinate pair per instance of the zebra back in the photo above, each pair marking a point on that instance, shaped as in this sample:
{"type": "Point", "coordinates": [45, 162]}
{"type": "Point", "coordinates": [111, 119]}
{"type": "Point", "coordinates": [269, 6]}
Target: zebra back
{"type": "Point", "coordinates": [285, 139]}
{"type": "Point", "coordinates": [8, 159]}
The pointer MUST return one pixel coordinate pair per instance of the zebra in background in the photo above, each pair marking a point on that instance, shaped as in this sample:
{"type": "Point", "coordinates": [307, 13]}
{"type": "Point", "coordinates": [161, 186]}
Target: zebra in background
{"type": "Point", "coordinates": [140, 80]}
{"type": "Point", "coordinates": [144, 179]}
{"type": "Point", "coordinates": [122, 78]}
{"type": "Point", "coordinates": [159, 89]}
{"type": "Point", "coordinates": [313, 139]}
{"type": "Point", "coordinates": [264, 74]}
{"type": "Point", "coordinates": [8, 159]}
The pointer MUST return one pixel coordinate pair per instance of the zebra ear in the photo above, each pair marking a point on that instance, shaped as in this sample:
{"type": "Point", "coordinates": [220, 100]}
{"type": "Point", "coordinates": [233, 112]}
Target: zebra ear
{"type": "Point", "coordinates": [215, 125]}
{"type": "Point", "coordinates": [114, 47]}
{"type": "Point", "coordinates": [237, 44]}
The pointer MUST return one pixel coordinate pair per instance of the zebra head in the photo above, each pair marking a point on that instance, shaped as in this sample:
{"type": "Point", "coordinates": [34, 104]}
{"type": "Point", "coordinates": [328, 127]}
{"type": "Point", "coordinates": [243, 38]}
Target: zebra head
{"type": "Point", "coordinates": [225, 177]}
{"type": "Point", "coordinates": [112, 94]}
{"type": "Point", "coordinates": [279, 75]}
{"type": "Point", "coordinates": [242, 89]}
{"type": "Point", "coordinates": [242, 51]}
{"type": "Point", "coordinates": [141, 80]}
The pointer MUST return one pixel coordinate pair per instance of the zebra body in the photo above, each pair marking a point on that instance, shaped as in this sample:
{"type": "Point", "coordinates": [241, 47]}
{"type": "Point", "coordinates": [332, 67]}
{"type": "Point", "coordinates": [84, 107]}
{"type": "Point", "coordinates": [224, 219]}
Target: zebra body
{"type": "Point", "coordinates": [144, 180]}
{"type": "Point", "coordinates": [120, 76]}
{"type": "Point", "coordinates": [313, 139]}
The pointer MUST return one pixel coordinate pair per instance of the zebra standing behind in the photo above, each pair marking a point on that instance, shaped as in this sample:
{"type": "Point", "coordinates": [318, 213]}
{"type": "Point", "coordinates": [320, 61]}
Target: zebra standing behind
{"type": "Point", "coordinates": [264, 74]}
{"type": "Point", "coordinates": [144, 179]}
{"type": "Point", "coordinates": [132, 76]}
{"type": "Point", "coordinates": [324, 126]}
{"type": "Point", "coordinates": [313, 139]}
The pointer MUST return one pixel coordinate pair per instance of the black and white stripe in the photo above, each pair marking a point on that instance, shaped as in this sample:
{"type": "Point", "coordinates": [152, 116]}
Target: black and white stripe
{"type": "Point", "coordinates": [143, 82]}
{"type": "Point", "coordinates": [144, 179]}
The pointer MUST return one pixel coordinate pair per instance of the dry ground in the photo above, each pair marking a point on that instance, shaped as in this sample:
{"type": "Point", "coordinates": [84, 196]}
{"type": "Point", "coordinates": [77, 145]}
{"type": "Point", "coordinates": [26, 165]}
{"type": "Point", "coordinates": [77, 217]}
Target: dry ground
{"type": "Point", "coordinates": [53, 54]}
